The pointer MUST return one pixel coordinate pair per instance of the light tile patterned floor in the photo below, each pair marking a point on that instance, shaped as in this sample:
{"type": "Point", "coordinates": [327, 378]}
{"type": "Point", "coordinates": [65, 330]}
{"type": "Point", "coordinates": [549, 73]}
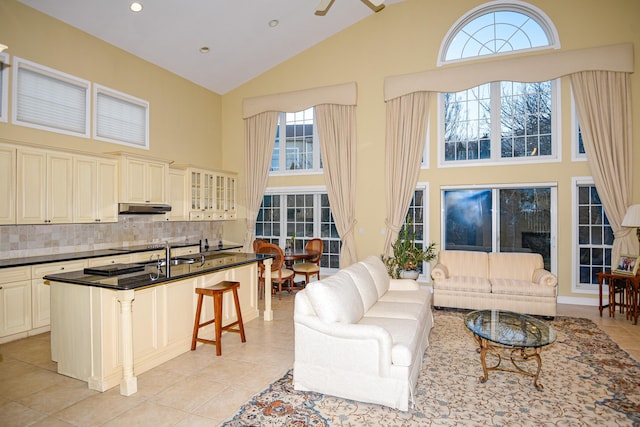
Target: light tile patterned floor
{"type": "Point", "coordinates": [196, 388]}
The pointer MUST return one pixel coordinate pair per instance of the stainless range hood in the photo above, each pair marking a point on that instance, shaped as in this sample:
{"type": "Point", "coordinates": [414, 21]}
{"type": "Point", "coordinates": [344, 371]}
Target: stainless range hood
{"type": "Point", "coordinates": [142, 208]}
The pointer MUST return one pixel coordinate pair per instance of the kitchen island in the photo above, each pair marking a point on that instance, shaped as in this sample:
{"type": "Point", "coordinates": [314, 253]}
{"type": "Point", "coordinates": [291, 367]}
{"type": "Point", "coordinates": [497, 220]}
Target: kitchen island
{"type": "Point", "coordinates": [108, 328]}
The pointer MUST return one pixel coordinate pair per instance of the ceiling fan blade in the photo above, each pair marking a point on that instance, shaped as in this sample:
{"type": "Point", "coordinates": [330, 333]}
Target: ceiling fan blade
{"type": "Point", "coordinates": [375, 5]}
{"type": "Point", "coordinates": [323, 7]}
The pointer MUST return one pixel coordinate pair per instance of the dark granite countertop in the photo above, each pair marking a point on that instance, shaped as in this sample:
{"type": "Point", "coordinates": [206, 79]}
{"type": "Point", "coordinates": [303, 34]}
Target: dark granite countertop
{"type": "Point", "coordinates": [149, 275]}
{"type": "Point", "coordinates": [116, 250]}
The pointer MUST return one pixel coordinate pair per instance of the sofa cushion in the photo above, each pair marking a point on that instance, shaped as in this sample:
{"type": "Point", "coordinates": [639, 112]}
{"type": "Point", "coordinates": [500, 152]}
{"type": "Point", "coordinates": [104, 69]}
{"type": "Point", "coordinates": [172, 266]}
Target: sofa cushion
{"type": "Point", "coordinates": [336, 299]}
{"type": "Point", "coordinates": [404, 334]}
{"type": "Point", "coordinates": [465, 284]}
{"type": "Point", "coordinates": [397, 310]}
{"type": "Point", "coordinates": [420, 296]}
{"type": "Point", "coordinates": [379, 273]}
{"type": "Point", "coordinates": [521, 287]}
{"type": "Point", "coordinates": [365, 284]}
{"type": "Point", "coordinates": [510, 265]}
{"type": "Point", "coordinates": [465, 263]}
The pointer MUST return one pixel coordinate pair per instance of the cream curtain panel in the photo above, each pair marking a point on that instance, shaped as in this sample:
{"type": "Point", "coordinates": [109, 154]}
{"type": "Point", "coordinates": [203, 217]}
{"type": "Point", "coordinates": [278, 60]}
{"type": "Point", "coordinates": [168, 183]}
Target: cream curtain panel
{"type": "Point", "coordinates": [337, 132]}
{"type": "Point", "coordinates": [603, 103]}
{"type": "Point", "coordinates": [335, 112]}
{"type": "Point", "coordinates": [407, 118]}
{"type": "Point", "coordinates": [260, 132]}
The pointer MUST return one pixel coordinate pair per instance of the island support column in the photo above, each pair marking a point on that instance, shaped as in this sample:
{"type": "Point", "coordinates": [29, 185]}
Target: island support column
{"type": "Point", "coordinates": [268, 313]}
{"type": "Point", "coordinates": [129, 382]}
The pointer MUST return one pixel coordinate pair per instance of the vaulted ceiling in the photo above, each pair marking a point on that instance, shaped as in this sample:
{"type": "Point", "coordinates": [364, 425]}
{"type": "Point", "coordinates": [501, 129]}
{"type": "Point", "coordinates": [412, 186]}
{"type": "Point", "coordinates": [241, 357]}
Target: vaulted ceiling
{"type": "Point", "coordinates": [244, 37]}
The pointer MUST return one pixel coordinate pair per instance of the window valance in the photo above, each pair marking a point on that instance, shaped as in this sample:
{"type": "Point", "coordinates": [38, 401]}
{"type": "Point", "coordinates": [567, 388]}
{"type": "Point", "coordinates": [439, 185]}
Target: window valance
{"type": "Point", "coordinates": [530, 68]}
{"type": "Point", "coordinates": [342, 94]}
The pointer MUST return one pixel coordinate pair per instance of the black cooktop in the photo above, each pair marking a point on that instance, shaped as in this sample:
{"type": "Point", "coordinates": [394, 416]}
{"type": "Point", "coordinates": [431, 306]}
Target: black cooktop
{"type": "Point", "coordinates": [114, 269]}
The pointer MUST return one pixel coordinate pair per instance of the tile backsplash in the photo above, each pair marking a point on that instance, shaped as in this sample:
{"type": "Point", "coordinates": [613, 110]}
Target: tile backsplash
{"type": "Point", "coordinates": [34, 240]}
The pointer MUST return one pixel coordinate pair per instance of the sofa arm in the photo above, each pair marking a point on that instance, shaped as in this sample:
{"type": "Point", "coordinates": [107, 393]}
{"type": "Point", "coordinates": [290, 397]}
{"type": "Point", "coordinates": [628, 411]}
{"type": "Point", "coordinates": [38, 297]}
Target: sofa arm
{"type": "Point", "coordinates": [403, 285]}
{"type": "Point", "coordinates": [355, 347]}
{"type": "Point", "coordinates": [439, 272]}
{"type": "Point", "coordinates": [544, 277]}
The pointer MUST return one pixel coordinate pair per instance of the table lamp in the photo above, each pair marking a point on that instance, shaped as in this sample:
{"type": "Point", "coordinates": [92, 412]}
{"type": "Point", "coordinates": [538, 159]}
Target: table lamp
{"type": "Point", "coordinates": [632, 219]}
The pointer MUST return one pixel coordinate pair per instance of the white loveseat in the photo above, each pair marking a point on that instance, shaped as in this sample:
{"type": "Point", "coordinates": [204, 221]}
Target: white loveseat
{"type": "Point", "coordinates": [498, 280]}
{"type": "Point", "coordinates": [361, 335]}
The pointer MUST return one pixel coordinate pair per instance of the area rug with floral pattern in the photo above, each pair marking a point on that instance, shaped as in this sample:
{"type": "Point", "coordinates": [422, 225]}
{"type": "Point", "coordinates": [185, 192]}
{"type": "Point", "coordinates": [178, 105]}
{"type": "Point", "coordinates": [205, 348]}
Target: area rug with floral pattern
{"type": "Point", "coordinates": [588, 381]}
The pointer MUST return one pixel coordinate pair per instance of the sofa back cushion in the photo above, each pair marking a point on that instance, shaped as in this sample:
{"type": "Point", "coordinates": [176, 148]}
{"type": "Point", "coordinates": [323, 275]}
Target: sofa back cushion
{"type": "Point", "coordinates": [379, 273]}
{"type": "Point", "coordinates": [465, 263]}
{"type": "Point", "coordinates": [365, 284]}
{"type": "Point", "coordinates": [512, 265]}
{"type": "Point", "coordinates": [336, 299]}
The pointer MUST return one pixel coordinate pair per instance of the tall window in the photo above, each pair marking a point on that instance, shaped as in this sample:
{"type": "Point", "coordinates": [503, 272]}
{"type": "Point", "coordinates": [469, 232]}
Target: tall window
{"type": "Point", "coordinates": [296, 146]}
{"type": "Point", "coordinates": [417, 217]}
{"type": "Point", "coordinates": [497, 122]}
{"type": "Point", "coordinates": [501, 121]}
{"type": "Point", "coordinates": [307, 214]}
{"type": "Point", "coordinates": [508, 219]}
{"type": "Point", "coordinates": [51, 100]}
{"type": "Point", "coordinates": [593, 234]}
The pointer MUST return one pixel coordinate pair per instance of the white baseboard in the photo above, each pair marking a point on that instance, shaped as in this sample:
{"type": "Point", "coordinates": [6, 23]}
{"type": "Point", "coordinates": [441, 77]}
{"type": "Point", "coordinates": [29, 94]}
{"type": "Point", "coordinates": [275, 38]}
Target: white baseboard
{"type": "Point", "coordinates": [578, 301]}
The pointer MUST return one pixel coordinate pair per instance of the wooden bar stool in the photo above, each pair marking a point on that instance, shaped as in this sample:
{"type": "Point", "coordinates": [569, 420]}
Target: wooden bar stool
{"type": "Point", "coordinates": [216, 291]}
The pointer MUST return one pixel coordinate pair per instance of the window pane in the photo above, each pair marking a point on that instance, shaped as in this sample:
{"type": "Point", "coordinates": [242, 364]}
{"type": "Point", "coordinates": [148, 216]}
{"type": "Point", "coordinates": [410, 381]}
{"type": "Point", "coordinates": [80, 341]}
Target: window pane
{"type": "Point", "coordinates": [525, 119]}
{"type": "Point", "coordinates": [525, 221]}
{"type": "Point", "coordinates": [595, 236]}
{"type": "Point", "coordinates": [467, 220]}
{"type": "Point", "coordinates": [467, 125]}
{"type": "Point", "coordinates": [121, 119]}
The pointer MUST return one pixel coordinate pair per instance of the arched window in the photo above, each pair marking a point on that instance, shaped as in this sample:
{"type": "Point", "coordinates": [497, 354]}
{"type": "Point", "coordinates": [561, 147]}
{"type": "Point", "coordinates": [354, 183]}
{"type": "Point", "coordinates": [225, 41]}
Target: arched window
{"type": "Point", "coordinates": [497, 28]}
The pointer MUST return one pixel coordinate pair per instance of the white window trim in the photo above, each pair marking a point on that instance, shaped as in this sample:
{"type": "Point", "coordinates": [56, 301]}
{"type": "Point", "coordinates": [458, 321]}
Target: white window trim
{"type": "Point", "coordinates": [4, 81]}
{"type": "Point", "coordinates": [126, 98]}
{"type": "Point", "coordinates": [556, 138]}
{"type": "Point", "coordinates": [494, 216]}
{"type": "Point", "coordinates": [500, 5]}
{"type": "Point", "coordinates": [576, 286]}
{"type": "Point", "coordinates": [23, 63]}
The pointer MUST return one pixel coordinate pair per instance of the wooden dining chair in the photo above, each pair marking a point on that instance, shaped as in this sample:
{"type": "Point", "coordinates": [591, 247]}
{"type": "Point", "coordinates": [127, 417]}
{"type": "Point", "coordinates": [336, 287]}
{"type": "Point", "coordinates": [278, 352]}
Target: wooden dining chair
{"type": "Point", "coordinates": [279, 274]}
{"type": "Point", "coordinates": [311, 267]}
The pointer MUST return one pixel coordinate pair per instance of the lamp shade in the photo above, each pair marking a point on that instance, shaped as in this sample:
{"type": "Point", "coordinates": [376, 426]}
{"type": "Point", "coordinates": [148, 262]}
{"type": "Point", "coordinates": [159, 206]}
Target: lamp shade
{"type": "Point", "coordinates": [632, 217]}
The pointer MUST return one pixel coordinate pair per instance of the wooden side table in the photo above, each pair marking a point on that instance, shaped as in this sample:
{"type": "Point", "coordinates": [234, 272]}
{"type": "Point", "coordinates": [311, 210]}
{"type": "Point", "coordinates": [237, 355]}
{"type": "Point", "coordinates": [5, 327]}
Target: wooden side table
{"type": "Point", "coordinates": [629, 292]}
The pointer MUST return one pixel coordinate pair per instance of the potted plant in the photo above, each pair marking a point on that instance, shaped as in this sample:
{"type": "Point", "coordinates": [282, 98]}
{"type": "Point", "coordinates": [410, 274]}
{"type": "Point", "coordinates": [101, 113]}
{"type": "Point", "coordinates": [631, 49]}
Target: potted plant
{"type": "Point", "coordinates": [407, 256]}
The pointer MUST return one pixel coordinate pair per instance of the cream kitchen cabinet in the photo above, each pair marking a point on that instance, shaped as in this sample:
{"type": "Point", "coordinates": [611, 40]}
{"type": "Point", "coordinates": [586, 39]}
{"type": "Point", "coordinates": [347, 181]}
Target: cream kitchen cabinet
{"type": "Point", "coordinates": [225, 205]}
{"type": "Point", "coordinates": [95, 190]}
{"type": "Point", "coordinates": [40, 291]}
{"type": "Point", "coordinates": [44, 187]}
{"type": "Point", "coordinates": [15, 301]}
{"type": "Point", "coordinates": [202, 194]}
{"type": "Point", "coordinates": [178, 195]}
{"type": "Point", "coordinates": [143, 180]}
{"type": "Point", "coordinates": [8, 187]}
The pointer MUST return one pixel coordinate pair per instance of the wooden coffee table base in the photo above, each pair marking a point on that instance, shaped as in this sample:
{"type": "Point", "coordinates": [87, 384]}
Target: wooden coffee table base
{"type": "Point", "coordinates": [516, 354]}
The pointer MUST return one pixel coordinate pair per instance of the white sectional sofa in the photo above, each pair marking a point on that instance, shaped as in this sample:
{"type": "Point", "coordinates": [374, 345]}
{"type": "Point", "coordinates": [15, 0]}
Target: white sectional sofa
{"type": "Point", "coordinates": [361, 335]}
{"type": "Point", "coordinates": [507, 281]}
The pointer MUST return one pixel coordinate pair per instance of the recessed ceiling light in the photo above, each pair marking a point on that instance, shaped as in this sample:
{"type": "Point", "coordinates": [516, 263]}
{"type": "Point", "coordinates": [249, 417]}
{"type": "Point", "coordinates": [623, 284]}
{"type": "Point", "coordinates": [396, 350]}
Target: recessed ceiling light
{"type": "Point", "coordinates": [204, 49]}
{"type": "Point", "coordinates": [274, 23]}
{"type": "Point", "coordinates": [135, 6]}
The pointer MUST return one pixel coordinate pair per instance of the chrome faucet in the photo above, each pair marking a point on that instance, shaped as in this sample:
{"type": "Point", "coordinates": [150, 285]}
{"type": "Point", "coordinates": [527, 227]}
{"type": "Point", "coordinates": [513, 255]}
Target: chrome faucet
{"type": "Point", "coordinates": [167, 258]}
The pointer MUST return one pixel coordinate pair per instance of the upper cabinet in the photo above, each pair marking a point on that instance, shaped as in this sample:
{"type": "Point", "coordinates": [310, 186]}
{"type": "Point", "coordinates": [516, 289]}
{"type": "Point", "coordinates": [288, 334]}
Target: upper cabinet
{"type": "Point", "coordinates": [143, 180]}
{"type": "Point", "coordinates": [226, 196]}
{"type": "Point", "coordinates": [7, 185]}
{"type": "Point", "coordinates": [178, 198]}
{"type": "Point", "coordinates": [211, 194]}
{"type": "Point", "coordinates": [95, 190]}
{"type": "Point", "coordinates": [45, 183]}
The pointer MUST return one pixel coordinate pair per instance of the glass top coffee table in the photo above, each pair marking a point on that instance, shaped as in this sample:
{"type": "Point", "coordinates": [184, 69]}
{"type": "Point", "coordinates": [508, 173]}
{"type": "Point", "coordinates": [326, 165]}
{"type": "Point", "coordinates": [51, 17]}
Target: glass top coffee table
{"type": "Point", "coordinates": [523, 336]}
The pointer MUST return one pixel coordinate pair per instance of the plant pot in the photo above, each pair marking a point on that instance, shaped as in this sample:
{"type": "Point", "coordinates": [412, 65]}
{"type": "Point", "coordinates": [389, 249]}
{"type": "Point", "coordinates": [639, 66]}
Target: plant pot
{"type": "Point", "coordinates": [409, 274]}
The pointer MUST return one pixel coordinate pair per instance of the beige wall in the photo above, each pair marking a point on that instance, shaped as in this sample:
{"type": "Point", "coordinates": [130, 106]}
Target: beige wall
{"type": "Point", "coordinates": [181, 114]}
{"type": "Point", "coordinates": [406, 38]}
